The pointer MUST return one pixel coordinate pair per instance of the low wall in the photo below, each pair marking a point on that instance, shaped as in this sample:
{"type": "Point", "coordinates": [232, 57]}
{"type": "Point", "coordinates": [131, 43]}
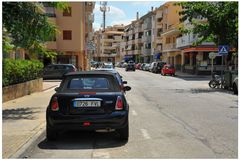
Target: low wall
{"type": "Point", "coordinates": [22, 89]}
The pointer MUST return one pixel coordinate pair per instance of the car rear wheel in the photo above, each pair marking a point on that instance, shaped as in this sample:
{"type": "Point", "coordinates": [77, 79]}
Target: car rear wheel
{"type": "Point", "coordinates": [124, 133]}
{"type": "Point", "coordinates": [51, 134]}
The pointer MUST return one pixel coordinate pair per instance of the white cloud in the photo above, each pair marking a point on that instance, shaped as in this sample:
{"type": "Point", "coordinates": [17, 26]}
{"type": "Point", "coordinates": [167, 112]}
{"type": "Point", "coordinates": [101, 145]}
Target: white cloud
{"type": "Point", "coordinates": [125, 22]}
{"type": "Point", "coordinates": [142, 3]}
{"type": "Point", "coordinates": [96, 26]}
{"type": "Point", "coordinates": [114, 16]}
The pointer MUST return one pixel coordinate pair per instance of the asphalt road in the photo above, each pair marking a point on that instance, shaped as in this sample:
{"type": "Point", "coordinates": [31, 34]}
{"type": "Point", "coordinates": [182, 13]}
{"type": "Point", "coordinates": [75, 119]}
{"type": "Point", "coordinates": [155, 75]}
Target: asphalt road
{"type": "Point", "coordinates": [170, 117]}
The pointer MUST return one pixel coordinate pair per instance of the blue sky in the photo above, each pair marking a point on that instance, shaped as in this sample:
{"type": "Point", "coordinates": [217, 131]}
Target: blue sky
{"type": "Point", "coordinates": [123, 12]}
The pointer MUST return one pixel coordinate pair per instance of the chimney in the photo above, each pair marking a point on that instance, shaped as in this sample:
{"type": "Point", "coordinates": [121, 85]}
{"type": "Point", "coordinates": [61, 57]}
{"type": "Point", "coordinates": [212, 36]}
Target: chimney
{"type": "Point", "coordinates": [137, 16]}
{"type": "Point", "coordinates": [152, 9]}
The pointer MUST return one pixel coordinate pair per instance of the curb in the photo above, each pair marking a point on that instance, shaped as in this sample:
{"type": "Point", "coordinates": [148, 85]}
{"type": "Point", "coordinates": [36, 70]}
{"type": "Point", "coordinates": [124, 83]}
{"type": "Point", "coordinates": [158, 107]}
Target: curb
{"type": "Point", "coordinates": [30, 143]}
{"type": "Point", "coordinates": [49, 88]}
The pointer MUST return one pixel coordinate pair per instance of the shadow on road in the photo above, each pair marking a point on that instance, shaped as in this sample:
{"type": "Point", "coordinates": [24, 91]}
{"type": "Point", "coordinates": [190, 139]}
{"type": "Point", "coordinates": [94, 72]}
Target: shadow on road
{"type": "Point", "coordinates": [210, 90]}
{"type": "Point", "coordinates": [193, 78]}
{"type": "Point", "coordinates": [20, 113]}
{"type": "Point", "coordinates": [83, 140]}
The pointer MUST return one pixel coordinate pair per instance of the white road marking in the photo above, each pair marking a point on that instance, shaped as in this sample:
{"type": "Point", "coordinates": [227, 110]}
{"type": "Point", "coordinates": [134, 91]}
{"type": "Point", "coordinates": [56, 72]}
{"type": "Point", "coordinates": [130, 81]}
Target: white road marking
{"type": "Point", "coordinates": [101, 155]}
{"type": "Point", "coordinates": [134, 113]}
{"type": "Point", "coordinates": [145, 134]}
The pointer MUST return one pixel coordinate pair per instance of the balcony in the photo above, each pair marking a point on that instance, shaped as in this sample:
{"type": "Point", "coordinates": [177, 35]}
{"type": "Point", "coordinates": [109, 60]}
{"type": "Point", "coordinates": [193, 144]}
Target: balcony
{"type": "Point", "coordinates": [139, 40]}
{"type": "Point", "coordinates": [145, 51]}
{"type": "Point", "coordinates": [172, 30]}
{"type": "Point", "coordinates": [147, 26]}
{"type": "Point", "coordinates": [118, 38]}
{"type": "Point", "coordinates": [107, 40]}
{"type": "Point", "coordinates": [130, 42]}
{"type": "Point", "coordinates": [170, 47]}
{"type": "Point", "coordinates": [138, 29]}
{"type": "Point", "coordinates": [146, 39]}
{"type": "Point", "coordinates": [188, 40]}
{"type": "Point", "coordinates": [136, 52]}
{"type": "Point", "coordinates": [107, 48]}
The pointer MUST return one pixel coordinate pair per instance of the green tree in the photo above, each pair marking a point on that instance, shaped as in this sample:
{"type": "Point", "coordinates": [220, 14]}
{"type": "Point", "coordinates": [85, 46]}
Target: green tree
{"type": "Point", "coordinates": [27, 25]}
{"type": "Point", "coordinates": [222, 21]}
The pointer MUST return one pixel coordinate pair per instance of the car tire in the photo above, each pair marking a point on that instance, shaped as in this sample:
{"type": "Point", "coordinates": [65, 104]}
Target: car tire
{"type": "Point", "coordinates": [51, 134]}
{"type": "Point", "coordinates": [235, 89]}
{"type": "Point", "coordinates": [124, 133]}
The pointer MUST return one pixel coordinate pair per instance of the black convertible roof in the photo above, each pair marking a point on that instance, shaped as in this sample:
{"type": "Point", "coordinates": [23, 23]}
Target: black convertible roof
{"type": "Point", "coordinates": [89, 73]}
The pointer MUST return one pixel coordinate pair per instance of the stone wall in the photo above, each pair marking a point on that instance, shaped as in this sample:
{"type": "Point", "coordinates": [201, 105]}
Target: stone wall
{"type": "Point", "coordinates": [22, 89]}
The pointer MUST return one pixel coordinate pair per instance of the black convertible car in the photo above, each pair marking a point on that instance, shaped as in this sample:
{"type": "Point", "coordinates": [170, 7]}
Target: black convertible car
{"type": "Point", "coordinates": [88, 101]}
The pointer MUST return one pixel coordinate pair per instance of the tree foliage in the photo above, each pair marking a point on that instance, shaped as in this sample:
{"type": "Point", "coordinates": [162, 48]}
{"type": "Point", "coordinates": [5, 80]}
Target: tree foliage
{"type": "Point", "coordinates": [222, 21]}
{"type": "Point", "coordinates": [27, 25]}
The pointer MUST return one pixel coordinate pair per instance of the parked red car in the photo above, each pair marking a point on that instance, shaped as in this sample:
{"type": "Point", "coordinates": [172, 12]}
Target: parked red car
{"type": "Point", "coordinates": [168, 69]}
{"type": "Point", "coordinates": [138, 65]}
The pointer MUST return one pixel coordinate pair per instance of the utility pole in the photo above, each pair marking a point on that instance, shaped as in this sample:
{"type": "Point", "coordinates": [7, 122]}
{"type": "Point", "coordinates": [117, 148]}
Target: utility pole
{"type": "Point", "coordinates": [104, 9]}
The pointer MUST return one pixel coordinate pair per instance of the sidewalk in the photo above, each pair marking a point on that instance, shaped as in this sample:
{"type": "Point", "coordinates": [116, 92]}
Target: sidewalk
{"type": "Point", "coordinates": [24, 120]}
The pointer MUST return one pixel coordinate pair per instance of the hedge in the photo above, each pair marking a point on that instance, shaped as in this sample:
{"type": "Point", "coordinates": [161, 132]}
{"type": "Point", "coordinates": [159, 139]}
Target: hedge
{"type": "Point", "coordinates": [19, 71]}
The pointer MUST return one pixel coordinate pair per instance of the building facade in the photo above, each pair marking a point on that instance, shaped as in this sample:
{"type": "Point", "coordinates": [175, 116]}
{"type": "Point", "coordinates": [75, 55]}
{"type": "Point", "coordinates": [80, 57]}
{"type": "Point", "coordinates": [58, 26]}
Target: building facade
{"type": "Point", "coordinates": [108, 44]}
{"type": "Point", "coordinates": [75, 30]}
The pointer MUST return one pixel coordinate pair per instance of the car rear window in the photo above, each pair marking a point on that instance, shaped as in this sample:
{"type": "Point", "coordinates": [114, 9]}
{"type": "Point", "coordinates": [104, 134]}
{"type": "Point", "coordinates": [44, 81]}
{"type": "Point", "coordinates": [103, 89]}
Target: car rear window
{"type": "Point", "coordinates": [92, 83]}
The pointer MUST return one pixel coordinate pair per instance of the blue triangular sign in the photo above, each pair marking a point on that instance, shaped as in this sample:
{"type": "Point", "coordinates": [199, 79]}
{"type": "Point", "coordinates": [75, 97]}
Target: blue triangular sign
{"type": "Point", "coordinates": [223, 50]}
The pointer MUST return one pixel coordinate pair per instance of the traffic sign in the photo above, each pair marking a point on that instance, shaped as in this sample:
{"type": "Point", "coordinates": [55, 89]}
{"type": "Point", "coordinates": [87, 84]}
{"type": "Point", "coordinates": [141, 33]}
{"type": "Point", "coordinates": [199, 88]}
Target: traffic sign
{"type": "Point", "coordinates": [223, 49]}
{"type": "Point", "coordinates": [212, 55]}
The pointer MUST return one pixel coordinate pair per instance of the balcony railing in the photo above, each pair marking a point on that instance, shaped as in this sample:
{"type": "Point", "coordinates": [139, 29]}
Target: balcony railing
{"type": "Point", "coordinates": [146, 26]}
{"type": "Point", "coordinates": [146, 39]}
{"type": "Point", "coordinates": [169, 47]}
{"type": "Point", "coordinates": [188, 40]}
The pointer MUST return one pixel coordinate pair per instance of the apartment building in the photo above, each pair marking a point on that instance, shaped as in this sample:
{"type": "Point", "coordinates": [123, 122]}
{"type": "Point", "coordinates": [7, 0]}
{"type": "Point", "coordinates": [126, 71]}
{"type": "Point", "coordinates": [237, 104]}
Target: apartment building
{"type": "Point", "coordinates": [75, 30]}
{"type": "Point", "coordinates": [170, 32]}
{"type": "Point", "coordinates": [108, 44]}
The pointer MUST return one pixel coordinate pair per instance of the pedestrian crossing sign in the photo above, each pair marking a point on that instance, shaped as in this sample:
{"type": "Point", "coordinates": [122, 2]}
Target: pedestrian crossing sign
{"type": "Point", "coordinates": [223, 50]}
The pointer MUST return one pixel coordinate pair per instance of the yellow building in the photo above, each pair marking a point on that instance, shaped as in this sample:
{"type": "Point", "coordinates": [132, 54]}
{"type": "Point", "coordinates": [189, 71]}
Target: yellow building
{"type": "Point", "coordinates": [169, 29]}
{"type": "Point", "coordinates": [75, 26]}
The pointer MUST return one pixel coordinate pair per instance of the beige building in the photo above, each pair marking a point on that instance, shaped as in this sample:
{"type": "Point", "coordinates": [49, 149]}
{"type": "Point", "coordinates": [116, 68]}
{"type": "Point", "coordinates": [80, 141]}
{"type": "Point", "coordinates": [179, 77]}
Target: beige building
{"type": "Point", "coordinates": [108, 44]}
{"type": "Point", "coordinates": [75, 26]}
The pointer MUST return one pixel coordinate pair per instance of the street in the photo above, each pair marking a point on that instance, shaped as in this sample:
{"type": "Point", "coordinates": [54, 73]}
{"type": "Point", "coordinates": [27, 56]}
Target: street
{"type": "Point", "coordinates": [170, 117]}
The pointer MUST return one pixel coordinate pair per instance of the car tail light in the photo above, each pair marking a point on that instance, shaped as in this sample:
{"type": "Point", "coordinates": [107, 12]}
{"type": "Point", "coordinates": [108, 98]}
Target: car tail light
{"type": "Point", "coordinates": [119, 103]}
{"type": "Point", "coordinates": [54, 105]}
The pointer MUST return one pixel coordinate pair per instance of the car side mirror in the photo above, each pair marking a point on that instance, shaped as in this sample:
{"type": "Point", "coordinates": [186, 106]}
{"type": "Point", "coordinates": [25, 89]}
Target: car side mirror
{"type": "Point", "coordinates": [127, 88]}
{"type": "Point", "coordinates": [56, 89]}
{"type": "Point", "coordinates": [124, 82]}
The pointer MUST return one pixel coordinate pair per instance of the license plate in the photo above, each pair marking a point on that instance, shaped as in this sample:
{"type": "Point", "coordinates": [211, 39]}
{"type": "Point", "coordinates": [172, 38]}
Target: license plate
{"type": "Point", "coordinates": [87, 104]}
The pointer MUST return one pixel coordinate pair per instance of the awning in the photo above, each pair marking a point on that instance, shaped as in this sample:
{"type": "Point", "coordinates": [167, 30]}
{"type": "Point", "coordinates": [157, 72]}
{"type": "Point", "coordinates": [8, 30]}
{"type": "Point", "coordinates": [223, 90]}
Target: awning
{"type": "Point", "coordinates": [203, 49]}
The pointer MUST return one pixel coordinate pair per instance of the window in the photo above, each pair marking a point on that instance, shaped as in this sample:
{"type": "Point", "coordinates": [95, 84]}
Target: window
{"type": "Point", "coordinates": [168, 40]}
{"type": "Point", "coordinates": [67, 35]}
{"type": "Point", "coordinates": [67, 12]}
{"type": "Point", "coordinates": [89, 83]}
